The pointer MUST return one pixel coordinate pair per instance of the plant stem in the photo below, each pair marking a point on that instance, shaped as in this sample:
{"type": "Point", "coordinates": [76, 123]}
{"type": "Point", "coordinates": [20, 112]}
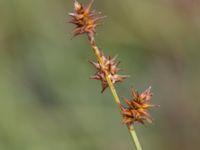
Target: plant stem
{"type": "Point", "coordinates": [113, 90]}
{"type": "Point", "coordinates": [134, 137]}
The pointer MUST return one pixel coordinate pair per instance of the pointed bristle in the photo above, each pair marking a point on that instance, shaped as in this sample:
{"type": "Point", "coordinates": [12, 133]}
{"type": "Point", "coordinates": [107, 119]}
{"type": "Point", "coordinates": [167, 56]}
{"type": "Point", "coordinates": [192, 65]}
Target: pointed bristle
{"type": "Point", "coordinates": [77, 5]}
{"type": "Point", "coordinates": [90, 5]}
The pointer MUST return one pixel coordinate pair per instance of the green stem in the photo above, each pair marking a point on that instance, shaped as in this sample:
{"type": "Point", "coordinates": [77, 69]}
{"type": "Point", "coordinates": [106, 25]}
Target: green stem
{"type": "Point", "coordinates": [135, 138]}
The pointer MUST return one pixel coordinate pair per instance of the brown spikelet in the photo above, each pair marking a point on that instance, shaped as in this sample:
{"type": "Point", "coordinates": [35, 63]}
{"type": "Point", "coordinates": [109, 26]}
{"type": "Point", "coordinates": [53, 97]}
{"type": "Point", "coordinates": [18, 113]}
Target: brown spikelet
{"type": "Point", "coordinates": [84, 18]}
{"type": "Point", "coordinates": [111, 67]}
{"type": "Point", "coordinates": [137, 110]}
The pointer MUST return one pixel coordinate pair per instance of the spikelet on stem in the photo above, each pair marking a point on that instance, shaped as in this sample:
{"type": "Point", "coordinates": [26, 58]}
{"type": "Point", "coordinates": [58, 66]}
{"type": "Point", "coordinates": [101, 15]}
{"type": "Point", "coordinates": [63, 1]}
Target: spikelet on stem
{"type": "Point", "coordinates": [138, 106]}
{"type": "Point", "coordinates": [110, 65]}
{"type": "Point", "coordinates": [84, 19]}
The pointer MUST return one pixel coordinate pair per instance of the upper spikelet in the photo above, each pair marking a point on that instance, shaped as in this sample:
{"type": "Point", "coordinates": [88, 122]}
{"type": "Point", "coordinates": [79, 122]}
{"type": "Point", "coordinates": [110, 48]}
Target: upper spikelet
{"type": "Point", "coordinates": [84, 18]}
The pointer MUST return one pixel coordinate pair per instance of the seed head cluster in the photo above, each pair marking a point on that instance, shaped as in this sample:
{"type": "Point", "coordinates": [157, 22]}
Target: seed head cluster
{"type": "Point", "coordinates": [109, 65]}
{"type": "Point", "coordinates": [84, 18]}
{"type": "Point", "coordinates": [137, 110]}
{"type": "Point", "coordinates": [85, 21]}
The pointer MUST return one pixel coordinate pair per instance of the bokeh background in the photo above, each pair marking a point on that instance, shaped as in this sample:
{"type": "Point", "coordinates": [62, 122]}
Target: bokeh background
{"type": "Point", "coordinates": [47, 101]}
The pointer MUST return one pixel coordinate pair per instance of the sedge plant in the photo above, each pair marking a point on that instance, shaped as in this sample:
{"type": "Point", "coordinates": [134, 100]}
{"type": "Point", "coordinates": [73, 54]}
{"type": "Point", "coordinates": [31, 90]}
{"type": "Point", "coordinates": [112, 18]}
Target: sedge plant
{"type": "Point", "coordinates": [136, 110]}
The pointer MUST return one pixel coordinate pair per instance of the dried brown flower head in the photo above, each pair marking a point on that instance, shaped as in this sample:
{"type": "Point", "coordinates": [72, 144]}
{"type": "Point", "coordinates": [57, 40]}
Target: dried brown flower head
{"type": "Point", "coordinates": [111, 67]}
{"type": "Point", "coordinates": [137, 110]}
{"type": "Point", "coordinates": [84, 18]}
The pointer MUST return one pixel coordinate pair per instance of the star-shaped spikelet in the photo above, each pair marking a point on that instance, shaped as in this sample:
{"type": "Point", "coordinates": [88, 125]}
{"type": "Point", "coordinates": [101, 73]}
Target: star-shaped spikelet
{"type": "Point", "coordinates": [84, 18]}
{"type": "Point", "coordinates": [111, 67]}
{"type": "Point", "coordinates": [137, 110]}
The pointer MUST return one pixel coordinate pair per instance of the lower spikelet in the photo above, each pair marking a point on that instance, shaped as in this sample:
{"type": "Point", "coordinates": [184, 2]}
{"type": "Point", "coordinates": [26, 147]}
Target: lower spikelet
{"type": "Point", "coordinates": [137, 110]}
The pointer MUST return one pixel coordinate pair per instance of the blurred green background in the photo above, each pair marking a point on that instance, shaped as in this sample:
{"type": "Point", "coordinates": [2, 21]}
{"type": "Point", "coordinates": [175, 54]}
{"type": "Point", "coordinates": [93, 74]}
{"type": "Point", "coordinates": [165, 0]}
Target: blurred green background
{"type": "Point", "coordinates": [47, 101]}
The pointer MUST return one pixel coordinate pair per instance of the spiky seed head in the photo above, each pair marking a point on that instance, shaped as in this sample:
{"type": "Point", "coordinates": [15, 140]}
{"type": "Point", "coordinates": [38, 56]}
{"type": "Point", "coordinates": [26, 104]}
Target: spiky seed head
{"type": "Point", "coordinates": [84, 19]}
{"type": "Point", "coordinates": [138, 106]}
{"type": "Point", "coordinates": [111, 67]}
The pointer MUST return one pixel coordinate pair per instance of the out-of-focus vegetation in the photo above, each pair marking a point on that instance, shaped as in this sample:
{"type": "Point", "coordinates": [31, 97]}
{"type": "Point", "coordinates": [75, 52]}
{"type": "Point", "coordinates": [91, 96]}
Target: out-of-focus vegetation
{"type": "Point", "coordinates": [47, 101]}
